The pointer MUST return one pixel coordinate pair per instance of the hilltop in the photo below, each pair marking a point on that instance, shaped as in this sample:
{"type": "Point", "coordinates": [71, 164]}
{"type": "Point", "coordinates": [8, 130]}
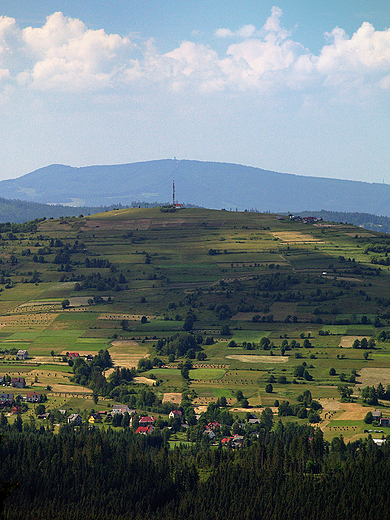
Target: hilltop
{"type": "Point", "coordinates": [206, 184]}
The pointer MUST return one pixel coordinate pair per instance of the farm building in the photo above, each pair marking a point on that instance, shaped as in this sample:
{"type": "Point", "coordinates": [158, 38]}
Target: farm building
{"type": "Point", "coordinates": [33, 397]}
{"type": "Point", "coordinates": [146, 421]}
{"type": "Point", "coordinates": [18, 382]}
{"type": "Point", "coordinates": [75, 419]}
{"type": "Point", "coordinates": [6, 399]}
{"type": "Point", "coordinates": [214, 425]}
{"type": "Point", "coordinates": [176, 414]}
{"type": "Point", "coordinates": [95, 418]}
{"type": "Point", "coordinates": [22, 354]}
{"type": "Point", "coordinates": [253, 419]}
{"type": "Point", "coordinates": [145, 430]}
{"type": "Point", "coordinates": [121, 408]}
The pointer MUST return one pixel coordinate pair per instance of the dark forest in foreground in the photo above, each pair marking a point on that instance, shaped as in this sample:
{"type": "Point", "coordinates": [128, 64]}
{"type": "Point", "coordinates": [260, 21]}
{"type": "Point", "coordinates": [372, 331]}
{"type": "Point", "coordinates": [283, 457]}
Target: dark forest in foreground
{"type": "Point", "coordinates": [288, 472]}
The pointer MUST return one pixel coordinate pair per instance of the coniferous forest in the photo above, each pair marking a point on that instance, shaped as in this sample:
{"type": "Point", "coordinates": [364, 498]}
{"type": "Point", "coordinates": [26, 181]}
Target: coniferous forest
{"type": "Point", "coordinates": [288, 472]}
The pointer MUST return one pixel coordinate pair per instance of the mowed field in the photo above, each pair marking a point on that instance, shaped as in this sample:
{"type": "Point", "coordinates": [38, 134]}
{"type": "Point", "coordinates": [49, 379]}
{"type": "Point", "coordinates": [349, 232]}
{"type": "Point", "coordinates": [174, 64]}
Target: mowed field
{"type": "Point", "coordinates": [258, 275]}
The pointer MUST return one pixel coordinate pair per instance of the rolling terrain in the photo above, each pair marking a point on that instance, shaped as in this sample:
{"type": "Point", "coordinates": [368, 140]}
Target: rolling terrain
{"type": "Point", "coordinates": [269, 300]}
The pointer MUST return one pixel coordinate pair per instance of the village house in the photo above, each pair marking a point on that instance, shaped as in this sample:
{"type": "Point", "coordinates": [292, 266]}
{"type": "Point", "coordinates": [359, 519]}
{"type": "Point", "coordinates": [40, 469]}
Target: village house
{"type": "Point", "coordinates": [73, 355]}
{"type": "Point", "coordinates": [377, 415]}
{"type": "Point", "coordinates": [18, 382]}
{"type": "Point", "coordinates": [226, 441]}
{"type": "Point", "coordinates": [210, 434]}
{"type": "Point", "coordinates": [253, 419]}
{"type": "Point", "coordinates": [95, 418]}
{"type": "Point", "coordinates": [385, 422]}
{"type": "Point", "coordinates": [176, 414]}
{"type": "Point", "coordinates": [6, 399]}
{"type": "Point", "coordinates": [214, 425]}
{"type": "Point", "coordinates": [121, 408]}
{"type": "Point", "coordinates": [146, 421]}
{"type": "Point", "coordinates": [22, 354]}
{"type": "Point", "coordinates": [89, 357]}
{"type": "Point", "coordinates": [33, 397]}
{"type": "Point", "coordinates": [145, 430]}
{"type": "Point", "coordinates": [237, 441]}
{"type": "Point", "coordinates": [75, 419]}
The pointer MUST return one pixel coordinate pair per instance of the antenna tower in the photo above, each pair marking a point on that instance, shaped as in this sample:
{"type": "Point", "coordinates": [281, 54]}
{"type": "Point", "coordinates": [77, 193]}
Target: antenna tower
{"type": "Point", "coordinates": [173, 190]}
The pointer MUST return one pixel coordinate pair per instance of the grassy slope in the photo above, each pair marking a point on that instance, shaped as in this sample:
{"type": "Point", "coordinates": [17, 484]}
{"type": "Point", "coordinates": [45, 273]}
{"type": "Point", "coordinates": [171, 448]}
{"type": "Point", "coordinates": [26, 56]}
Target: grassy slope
{"type": "Point", "coordinates": [182, 275]}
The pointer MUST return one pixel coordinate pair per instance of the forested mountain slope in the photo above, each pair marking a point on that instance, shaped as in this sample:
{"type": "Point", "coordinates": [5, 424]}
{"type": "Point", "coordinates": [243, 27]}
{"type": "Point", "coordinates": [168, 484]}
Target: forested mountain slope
{"type": "Point", "coordinates": [207, 184]}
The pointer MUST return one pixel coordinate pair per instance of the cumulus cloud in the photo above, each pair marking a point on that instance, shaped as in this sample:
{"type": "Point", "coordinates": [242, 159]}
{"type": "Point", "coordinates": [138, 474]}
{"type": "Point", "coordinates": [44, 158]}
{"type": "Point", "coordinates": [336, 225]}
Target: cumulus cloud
{"type": "Point", "coordinates": [247, 31]}
{"type": "Point", "coordinates": [70, 56]}
{"type": "Point", "coordinates": [64, 55]}
{"type": "Point", "coordinates": [364, 57]}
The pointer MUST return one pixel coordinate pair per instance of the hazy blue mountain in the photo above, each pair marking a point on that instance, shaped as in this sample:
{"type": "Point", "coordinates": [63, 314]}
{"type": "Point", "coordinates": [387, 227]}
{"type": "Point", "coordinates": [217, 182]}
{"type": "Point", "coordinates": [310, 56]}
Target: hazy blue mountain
{"type": "Point", "coordinates": [208, 184]}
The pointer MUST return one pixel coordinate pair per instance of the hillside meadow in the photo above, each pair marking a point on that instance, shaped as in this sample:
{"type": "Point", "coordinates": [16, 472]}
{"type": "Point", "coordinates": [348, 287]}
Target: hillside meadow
{"type": "Point", "coordinates": [269, 294]}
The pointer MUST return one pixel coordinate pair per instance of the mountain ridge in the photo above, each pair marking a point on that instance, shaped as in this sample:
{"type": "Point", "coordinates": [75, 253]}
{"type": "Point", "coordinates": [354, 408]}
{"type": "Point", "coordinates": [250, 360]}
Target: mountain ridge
{"type": "Point", "coordinates": [209, 184]}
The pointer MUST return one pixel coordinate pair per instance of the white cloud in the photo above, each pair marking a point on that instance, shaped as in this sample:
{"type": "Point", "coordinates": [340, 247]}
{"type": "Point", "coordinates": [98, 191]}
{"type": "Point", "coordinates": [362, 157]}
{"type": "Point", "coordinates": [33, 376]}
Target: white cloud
{"type": "Point", "coordinates": [364, 58]}
{"type": "Point", "coordinates": [247, 31]}
{"type": "Point", "coordinates": [64, 55]}
{"type": "Point", "coordinates": [224, 33]}
{"type": "Point", "coordinates": [71, 57]}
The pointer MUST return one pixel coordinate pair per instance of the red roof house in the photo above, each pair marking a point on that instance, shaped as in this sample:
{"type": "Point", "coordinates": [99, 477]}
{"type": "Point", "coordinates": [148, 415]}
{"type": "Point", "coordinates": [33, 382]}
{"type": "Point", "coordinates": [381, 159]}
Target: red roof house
{"type": "Point", "coordinates": [146, 420]}
{"type": "Point", "coordinates": [144, 430]}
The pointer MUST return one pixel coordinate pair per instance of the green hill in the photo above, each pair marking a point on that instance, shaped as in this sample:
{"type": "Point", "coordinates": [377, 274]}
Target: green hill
{"type": "Point", "coordinates": [249, 299]}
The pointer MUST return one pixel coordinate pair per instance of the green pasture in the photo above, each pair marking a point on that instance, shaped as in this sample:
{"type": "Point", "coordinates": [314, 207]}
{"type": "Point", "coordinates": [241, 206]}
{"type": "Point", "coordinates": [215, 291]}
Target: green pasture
{"type": "Point", "coordinates": [64, 367]}
{"type": "Point", "coordinates": [15, 344]}
{"type": "Point", "coordinates": [252, 336]}
{"type": "Point", "coordinates": [351, 430]}
{"type": "Point", "coordinates": [360, 330]}
{"type": "Point", "coordinates": [207, 373]}
{"type": "Point", "coordinates": [24, 335]}
{"type": "Point", "coordinates": [335, 329]}
{"type": "Point", "coordinates": [14, 368]}
{"type": "Point", "coordinates": [222, 392]}
{"type": "Point", "coordinates": [161, 372]}
{"type": "Point", "coordinates": [93, 341]}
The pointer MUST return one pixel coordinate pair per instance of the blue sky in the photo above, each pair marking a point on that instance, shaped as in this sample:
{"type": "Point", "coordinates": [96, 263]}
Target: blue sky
{"type": "Point", "coordinates": [294, 86]}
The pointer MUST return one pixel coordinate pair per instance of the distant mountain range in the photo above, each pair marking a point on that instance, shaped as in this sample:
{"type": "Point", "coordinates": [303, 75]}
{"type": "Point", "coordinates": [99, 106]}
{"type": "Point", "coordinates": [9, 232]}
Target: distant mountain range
{"type": "Point", "coordinates": [207, 184]}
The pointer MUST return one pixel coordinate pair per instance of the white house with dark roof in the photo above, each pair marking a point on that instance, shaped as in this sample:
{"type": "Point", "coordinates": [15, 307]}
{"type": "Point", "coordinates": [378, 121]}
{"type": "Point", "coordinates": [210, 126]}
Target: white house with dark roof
{"type": "Point", "coordinates": [75, 419]}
